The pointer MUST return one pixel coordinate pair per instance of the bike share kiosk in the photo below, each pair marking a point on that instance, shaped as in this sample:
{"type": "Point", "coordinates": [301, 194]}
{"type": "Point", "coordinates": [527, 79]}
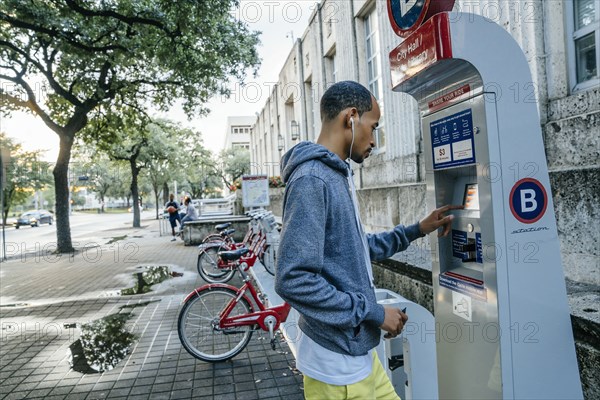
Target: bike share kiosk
{"type": "Point", "coordinates": [503, 327]}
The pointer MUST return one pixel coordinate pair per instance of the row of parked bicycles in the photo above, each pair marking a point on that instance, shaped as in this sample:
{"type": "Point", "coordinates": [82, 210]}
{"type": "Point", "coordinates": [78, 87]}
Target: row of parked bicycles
{"type": "Point", "coordinates": [217, 320]}
{"type": "Point", "coordinates": [261, 240]}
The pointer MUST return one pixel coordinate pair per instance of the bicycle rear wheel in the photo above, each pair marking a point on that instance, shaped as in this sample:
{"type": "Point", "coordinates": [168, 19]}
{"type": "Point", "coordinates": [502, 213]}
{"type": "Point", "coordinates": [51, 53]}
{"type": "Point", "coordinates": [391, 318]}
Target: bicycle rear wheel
{"type": "Point", "coordinates": [208, 267]}
{"type": "Point", "coordinates": [268, 258]}
{"type": "Point", "coordinates": [198, 326]}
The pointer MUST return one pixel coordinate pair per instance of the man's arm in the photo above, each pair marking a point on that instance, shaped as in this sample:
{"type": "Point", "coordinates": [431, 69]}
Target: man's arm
{"type": "Point", "coordinates": [301, 255]}
{"type": "Point", "coordinates": [386, 244]}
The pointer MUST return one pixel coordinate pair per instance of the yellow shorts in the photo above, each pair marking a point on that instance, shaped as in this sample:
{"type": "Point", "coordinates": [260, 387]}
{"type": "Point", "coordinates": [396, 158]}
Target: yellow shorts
{"type": "Point", "coordinates": [375, 386]}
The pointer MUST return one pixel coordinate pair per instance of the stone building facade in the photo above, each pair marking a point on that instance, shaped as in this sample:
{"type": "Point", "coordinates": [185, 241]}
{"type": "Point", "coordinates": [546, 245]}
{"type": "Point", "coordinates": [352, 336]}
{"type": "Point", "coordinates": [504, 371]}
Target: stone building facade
{"type": "Point", "coordinates": [351, 40]}
{"type": "Point", "coordinates": [237, 135]}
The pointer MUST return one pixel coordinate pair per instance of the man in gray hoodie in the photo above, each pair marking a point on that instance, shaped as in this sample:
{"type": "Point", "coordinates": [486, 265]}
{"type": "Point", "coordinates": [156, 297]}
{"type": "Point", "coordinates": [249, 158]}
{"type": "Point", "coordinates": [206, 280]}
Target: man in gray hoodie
{"type": "Point", "coordinates": [324, 263]}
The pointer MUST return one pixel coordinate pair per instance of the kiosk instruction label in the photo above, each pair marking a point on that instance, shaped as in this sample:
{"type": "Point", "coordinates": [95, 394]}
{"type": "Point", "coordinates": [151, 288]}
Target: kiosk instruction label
{"type": "Point", "coordinates": [472, 289]}
{"type": "Point", "coordinates": [452, 140]}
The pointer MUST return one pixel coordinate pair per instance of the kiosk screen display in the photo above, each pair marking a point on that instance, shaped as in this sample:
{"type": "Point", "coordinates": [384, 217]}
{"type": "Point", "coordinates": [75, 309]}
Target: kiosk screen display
{"type": "Point", "coordinates": [471, 198]}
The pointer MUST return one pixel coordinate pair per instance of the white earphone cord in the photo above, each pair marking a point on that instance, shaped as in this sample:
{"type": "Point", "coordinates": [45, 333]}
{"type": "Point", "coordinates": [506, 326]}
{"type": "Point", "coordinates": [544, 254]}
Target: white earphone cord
{"type": "Point", "coordinates": [351, 143]}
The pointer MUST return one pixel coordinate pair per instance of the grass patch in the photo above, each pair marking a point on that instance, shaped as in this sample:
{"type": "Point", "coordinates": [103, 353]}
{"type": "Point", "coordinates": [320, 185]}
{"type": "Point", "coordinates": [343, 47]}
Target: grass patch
{"type": "Point", "coordinates": [116, 239]}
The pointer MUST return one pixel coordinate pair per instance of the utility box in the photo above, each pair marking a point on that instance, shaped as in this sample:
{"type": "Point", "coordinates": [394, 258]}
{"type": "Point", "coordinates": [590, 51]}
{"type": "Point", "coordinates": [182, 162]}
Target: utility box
{"type": "Point", "coordinates": [409, 359]}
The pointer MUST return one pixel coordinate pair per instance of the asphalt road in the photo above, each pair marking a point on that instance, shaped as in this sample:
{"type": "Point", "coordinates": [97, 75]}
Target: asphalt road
{"type": "Point", "coordinates": [86, 230]}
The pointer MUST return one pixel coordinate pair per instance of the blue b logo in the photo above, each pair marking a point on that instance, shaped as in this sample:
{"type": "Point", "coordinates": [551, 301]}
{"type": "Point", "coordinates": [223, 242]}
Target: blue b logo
{"type": "Point", "coordinates": [528, 200]}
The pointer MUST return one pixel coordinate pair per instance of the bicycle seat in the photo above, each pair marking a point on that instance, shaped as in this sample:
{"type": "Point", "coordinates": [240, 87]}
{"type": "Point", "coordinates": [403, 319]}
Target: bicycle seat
{"type": "Point", "coordinates": [227, 232]}
{"type": "Point", "coordinates": [221, 227]}
{"type": "Point", "coordinates": [233, 254]}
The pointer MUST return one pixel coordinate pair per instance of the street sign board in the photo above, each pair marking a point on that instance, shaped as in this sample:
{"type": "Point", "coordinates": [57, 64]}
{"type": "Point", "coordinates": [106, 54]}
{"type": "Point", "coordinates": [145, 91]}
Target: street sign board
{"type": "Point", "coordinates": [255, 191]}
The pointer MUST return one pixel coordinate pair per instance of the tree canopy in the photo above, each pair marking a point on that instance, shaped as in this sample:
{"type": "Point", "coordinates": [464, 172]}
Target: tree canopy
{"type": "Point", "coordinates": [90, 54]}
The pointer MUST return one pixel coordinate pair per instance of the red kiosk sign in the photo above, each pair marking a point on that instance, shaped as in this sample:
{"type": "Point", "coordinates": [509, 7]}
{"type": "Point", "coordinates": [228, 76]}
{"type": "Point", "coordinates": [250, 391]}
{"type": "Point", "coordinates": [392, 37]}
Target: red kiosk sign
{"type": "Point", "coordinates": [426, 36]}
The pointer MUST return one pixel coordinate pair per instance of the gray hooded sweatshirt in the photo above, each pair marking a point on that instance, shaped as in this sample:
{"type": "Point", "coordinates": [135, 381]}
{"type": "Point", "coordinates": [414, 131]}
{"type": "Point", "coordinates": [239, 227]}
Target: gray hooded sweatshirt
{"type": "Point", "coordinates": [321, 268]}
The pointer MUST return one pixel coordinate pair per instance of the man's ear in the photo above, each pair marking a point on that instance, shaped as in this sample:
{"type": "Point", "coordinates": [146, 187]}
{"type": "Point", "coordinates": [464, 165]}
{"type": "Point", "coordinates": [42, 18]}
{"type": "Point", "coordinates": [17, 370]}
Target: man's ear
{"type": "Point", "coordinates": [351, 117]}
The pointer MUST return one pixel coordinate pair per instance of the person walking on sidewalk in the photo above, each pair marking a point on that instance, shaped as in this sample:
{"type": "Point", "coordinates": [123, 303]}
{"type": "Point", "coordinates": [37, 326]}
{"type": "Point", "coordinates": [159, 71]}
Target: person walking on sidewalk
{"type": "Point", "coordinates": [172, 207]}
{"type": "Point", "coordinates": [324, 262]}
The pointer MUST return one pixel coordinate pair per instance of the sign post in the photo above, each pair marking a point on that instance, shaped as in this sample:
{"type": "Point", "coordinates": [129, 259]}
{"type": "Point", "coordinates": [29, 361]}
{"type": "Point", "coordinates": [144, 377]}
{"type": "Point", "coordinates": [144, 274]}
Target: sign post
{"type": "Point", "coordinates": [255, 191]}
{"type": "Point", "coordinates": [4, 161]}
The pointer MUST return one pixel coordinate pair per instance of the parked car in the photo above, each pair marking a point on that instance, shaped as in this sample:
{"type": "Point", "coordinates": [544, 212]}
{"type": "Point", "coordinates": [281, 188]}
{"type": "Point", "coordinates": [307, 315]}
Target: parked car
{"type": "Point", "coordinates": [35, 218]}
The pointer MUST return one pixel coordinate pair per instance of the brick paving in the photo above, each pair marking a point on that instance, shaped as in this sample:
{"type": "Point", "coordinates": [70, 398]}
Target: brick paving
{"type": "Point", "coordinates": [44, 298]}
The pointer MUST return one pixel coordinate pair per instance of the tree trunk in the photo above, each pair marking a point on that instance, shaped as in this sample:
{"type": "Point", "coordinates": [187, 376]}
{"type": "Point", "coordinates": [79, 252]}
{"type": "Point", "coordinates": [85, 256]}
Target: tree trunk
{"type": "Point", "coordinates": [102, 204]}
{"type": "Point", "coordinates": [134, 192]}
{"type": "Point", "coordinates": [165, 193]}
{"type": "Point", "coordinates": [61, 190]}
{"type": "Point", "coordinates": [4, 215]}
{"type": "Point", "coordinates": [7, 203]}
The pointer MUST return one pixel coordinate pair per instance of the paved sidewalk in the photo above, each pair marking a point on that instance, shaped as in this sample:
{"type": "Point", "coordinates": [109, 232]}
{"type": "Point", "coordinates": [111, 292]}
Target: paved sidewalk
{"type": "Point", "coordinates": [44, 298]}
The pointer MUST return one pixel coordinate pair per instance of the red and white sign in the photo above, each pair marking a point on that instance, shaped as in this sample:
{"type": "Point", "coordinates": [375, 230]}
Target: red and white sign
{"type": "Point", "coordinates": [449, 98]}
{"type": "Point", "coordinates": [426, 46]}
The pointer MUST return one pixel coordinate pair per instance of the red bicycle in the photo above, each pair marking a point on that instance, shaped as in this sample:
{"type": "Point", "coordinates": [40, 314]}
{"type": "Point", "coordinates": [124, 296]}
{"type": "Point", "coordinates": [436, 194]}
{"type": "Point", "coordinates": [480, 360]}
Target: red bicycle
{"type": "Point", "coordinates": [214, 269]}
{"type": "Point", "coordinates": [216, 321]}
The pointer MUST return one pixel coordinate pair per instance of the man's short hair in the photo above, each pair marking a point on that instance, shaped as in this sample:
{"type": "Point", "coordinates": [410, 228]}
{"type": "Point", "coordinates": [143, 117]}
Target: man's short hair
{"type": "Point", "coordinates": [342, 95]}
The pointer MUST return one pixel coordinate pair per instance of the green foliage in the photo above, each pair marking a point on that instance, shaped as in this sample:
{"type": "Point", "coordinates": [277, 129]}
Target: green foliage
{"type": "Point", "coordinates": [25, 174]}
{"type": "Point", "coordinates": [236, 163]}
{"type": "Point", "coordinates": [120, 186]}
{"type": "Point", "coordinates": [138, 52]}
{"type": "Point", "coordinates": [118, 55]}
{"type": "Point", "coordinates": [203, 178]}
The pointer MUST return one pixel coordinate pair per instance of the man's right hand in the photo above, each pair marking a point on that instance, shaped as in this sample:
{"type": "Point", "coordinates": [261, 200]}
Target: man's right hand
{"type": "Point", "coordinates": [394, 321]}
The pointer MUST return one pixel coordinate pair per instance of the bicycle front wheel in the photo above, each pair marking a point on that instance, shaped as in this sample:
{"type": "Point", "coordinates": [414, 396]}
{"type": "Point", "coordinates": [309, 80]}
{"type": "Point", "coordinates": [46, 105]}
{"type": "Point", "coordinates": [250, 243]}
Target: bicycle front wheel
{"type": "Point", "coordinates": [208, 267]}
{"type": "Point", "coordinates": [213, 237]}
{"type": "Point", "coordinates": [198, 326]}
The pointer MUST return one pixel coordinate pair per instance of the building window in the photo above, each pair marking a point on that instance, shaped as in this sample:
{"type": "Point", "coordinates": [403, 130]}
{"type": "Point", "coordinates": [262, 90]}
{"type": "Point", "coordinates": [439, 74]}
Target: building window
{"type": "Point", "coordinates": [331, 68]}
{"type": "Point", "coordinates": [583, 20]}
{"type": "Point", "coordinates": [374, 71]}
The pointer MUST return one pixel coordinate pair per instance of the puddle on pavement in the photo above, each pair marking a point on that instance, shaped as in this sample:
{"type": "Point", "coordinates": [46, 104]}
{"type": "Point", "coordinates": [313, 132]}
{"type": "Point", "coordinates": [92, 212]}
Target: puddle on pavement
{"type": "Point", "coordinates": [14, 305]}
{"type": "Point", "coordinates": [140, 304]}
{"type": "Point", "coordinates": [105, 342]}
{"type": "Point", "coordinates": [102, 345]}
{"type": "Point", "coordinates": [152, 275]}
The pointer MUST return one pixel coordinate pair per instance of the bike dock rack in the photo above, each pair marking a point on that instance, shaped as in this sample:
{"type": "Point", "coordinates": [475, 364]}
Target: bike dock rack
{"type": "Point", "coordinates": [410, 358]}
{"type": "Point", "coordinates": [266, 284]}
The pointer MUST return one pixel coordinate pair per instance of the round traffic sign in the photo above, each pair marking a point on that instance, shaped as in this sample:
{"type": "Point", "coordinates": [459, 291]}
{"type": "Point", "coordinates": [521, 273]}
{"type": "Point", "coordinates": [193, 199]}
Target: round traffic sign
{"type": "Point", "coordinates": [407, 15]}
{"type": "Point", "coordinates": [528, 200]}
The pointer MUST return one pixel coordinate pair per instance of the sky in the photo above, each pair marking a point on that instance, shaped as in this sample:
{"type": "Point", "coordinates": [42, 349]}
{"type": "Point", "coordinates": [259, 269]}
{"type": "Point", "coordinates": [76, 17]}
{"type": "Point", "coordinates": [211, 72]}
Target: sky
{"type": "Point", "coordinates": [280, 23]}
